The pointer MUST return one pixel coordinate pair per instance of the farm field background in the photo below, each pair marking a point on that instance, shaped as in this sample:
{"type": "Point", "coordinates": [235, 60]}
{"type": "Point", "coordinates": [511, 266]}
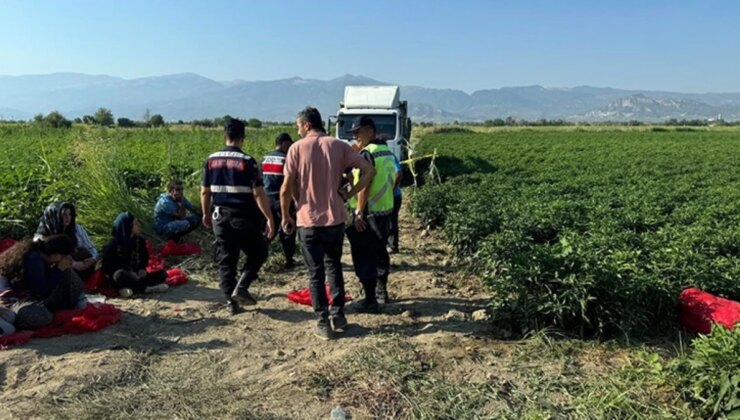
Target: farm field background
{"type": "Point", "coordinates": [575, 233]}
{"type": "Point", "coordinates": [590, 231]}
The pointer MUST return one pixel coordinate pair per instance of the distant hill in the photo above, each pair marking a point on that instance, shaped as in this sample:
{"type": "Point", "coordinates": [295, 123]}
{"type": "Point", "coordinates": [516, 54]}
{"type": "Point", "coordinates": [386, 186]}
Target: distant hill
{"type": "Point", "coordinates": [190, 96]}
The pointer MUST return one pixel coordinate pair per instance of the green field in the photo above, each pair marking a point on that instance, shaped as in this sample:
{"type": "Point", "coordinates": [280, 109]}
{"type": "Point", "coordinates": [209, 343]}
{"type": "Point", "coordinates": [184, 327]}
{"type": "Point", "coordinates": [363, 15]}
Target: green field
{"type": "Point", "coordinates": [103, 171]}
{"type": "Point", "coordinates": [593, 232]}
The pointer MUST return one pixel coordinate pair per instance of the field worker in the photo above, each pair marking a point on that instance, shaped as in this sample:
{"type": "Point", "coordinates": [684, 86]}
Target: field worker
{"type": "Point", "coordinates": [313, 174]}
{"type": "Point", "coordinates": [372, 212]}
{"type": "Point", "coordinates": [235, 205]}
{"type": "Point", "coordinates": [397, 201]}
{"type": "Point", "coordinates": [272, 174]}
{"type": "Point", "coordinates": [126, 257]}
{"type": "Point", "coordinates": [41, 275]}
{"type": "Point", "coordinates": [61, 218]}
{"type": "Point", "coordinates": [170, 213]}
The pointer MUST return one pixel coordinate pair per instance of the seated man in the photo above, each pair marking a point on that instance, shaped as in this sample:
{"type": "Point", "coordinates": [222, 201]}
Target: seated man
{"type": "Point", "coordinates": [170, 213]}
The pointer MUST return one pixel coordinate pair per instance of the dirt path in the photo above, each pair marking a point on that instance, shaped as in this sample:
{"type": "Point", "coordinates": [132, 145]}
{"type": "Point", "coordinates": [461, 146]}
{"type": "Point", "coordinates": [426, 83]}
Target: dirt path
{"type": "Point", "coordinates": [180, 354]}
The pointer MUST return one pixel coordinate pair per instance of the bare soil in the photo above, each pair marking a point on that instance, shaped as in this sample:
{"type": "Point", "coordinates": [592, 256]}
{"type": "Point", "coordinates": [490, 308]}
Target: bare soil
{"type": "Point", "coordinates": [262, 354]}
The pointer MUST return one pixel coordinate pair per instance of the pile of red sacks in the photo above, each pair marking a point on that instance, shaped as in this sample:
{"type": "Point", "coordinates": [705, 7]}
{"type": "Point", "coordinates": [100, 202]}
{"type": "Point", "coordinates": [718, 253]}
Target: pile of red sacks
{"type": "Point", "coordinates": [94, 317]}
{"type": "Point", "coordinates": [96, 283]}
{"type": "Point", "coordinates": [698, 310]}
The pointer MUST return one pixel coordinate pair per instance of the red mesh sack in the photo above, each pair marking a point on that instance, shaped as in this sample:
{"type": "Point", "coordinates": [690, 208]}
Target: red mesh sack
{"type": "Point", "coordinates": [698, 310]}
{"type": "Point", "coordinates": [171, 248]}
{"type": "Point", "coordinates": [6, 244]}
{"type": "Point", "coordinates": [176, 277]}
{"type": "Point", "coordinates": [303, 296]}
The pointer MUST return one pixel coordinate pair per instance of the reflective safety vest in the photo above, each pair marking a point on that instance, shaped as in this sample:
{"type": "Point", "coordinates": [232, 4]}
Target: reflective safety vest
{"type": "Point", "coordinates": [380, 198]}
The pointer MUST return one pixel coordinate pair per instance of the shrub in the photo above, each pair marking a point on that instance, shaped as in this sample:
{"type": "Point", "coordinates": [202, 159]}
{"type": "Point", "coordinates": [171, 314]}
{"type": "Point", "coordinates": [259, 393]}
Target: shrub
{"type": "Point", "coordinates": [712, 372]}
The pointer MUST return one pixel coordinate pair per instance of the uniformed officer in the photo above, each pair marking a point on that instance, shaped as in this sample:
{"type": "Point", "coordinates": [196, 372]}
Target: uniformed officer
{"type": "Point", "coordinates": [235, 204]}
{"type": "Point", "coordinates": [373, 210]}
{"type": "Point", "coordinates": [272, 173]}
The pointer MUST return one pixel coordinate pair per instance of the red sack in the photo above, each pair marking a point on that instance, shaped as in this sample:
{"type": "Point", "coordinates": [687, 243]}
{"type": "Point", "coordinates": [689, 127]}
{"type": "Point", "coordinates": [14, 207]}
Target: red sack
{"type": "Point", "coordinates": [303, 296]}
{"type": "Point", "coordinates": [150, 249]}
{"type": "Point", "coordinates": [97, 283]}
{"type": "Point", "coordinates": [94, 317]}
{"type": "Point", "coordinates": [698, 310]}
{"type": "Point", "coordinates": [14, 339]}
{"type": "Point", "coordinates": [176, 277]}
{"type": "Point", "coordinates": [156, 263]}
{"type": "Point", "coordinates": [6, 244]}
{"type": "Point", "coordinates": [171, 248]}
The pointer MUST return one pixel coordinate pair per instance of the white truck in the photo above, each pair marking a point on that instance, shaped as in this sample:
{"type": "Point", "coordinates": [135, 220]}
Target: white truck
{"type": "Point", "coordinates": [384, 106]}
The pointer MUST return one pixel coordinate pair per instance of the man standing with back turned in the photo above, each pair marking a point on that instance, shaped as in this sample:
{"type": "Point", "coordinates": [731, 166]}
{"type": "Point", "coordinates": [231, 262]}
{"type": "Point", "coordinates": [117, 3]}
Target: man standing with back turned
{"type": "Point", "coordinates": [233, 185]}
{"type": "Point", "coordinates": [313, 174]}
{"type": "Point", "coordinates": [272, 173]}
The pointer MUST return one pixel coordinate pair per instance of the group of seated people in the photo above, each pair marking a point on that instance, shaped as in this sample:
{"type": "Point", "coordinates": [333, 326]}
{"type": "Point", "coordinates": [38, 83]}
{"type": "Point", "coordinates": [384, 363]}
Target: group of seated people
{"type": "Point", "coordinates": [42, 275]}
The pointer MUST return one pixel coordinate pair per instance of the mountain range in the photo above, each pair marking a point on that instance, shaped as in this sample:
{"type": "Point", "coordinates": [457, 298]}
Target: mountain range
{"type": "Point", "coordinates": [189, 96]}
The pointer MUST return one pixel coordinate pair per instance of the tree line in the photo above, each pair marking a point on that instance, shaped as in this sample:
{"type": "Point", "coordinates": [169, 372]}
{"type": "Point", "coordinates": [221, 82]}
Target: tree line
{"type": "Point", "coordinates": [103, 117]}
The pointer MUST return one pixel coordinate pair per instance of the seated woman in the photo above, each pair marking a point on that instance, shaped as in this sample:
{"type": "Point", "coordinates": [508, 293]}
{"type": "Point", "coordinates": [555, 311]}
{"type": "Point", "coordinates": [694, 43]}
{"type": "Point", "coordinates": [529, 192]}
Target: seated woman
{"type": "Point", "coordinates": [170, 213]}
{"type": "Point", "coordinates": [125, 259]}
{"type": "Point", "coordinates": [61, 218]}
{"type": "Point", "coordinates": [42, 280]}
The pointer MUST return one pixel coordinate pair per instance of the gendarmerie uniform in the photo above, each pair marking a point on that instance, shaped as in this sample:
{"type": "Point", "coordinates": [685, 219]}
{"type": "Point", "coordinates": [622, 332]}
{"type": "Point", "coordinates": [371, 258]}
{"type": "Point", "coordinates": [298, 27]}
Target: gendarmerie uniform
{"type": "Point", "coordinates": [231, 175]}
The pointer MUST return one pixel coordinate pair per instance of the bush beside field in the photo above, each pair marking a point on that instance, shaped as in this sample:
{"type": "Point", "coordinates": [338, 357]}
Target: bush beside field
{"type": "Point", "coordinates": [590, 232]}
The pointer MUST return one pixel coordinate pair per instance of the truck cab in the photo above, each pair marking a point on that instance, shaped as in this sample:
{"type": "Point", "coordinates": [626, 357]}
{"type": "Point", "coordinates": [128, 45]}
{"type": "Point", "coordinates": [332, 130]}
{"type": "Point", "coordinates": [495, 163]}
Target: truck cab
{"type": "Point", "coordinates": [383, 105]}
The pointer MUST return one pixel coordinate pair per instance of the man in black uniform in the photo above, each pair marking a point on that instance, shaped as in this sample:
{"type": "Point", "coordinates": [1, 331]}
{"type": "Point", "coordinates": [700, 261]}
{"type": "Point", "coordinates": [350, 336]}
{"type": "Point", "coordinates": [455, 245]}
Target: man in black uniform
{"type": "Point", "coordinates": [272, 173]}
{"type": "Point", "coordinates": [232, 197]}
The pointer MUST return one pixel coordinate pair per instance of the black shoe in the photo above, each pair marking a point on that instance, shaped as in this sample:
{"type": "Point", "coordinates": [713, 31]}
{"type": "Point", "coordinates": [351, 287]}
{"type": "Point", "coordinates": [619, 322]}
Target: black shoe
{"type": "Point", "coordinates": [289, 263]}
{"type": "Point", "coordinates": [338, 323]}
{"type": "Point", "coordinates": [366, 307]}
{"type": "Point", "coordinates": [323, 330]}
{"type": "Point", "coordinates": [382, 296]}
{"type": "Point", "coordinates": [233, 307]}
{"type": "Point", "coordinates": [243, 297]}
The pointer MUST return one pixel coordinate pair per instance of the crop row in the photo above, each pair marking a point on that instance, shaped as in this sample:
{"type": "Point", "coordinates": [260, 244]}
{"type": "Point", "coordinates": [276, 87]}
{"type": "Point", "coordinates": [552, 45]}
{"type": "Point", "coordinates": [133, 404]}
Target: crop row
{"type": "Point", "coordinates": [591, 232]}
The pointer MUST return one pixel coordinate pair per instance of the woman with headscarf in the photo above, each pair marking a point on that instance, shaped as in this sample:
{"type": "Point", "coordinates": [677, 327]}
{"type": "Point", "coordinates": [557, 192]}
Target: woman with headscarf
{"type": "Point", "coordinates": [61, 219]}
{"type": "Point", "coordinates": [125, 259]}
{"type": "Point", "coordinates": [41, 280]}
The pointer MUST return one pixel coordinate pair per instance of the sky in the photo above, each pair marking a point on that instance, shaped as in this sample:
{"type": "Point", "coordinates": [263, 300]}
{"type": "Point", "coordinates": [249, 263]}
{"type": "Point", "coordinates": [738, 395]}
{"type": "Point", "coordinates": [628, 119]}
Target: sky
{"type": "Point", "coordinates": [687, 46]}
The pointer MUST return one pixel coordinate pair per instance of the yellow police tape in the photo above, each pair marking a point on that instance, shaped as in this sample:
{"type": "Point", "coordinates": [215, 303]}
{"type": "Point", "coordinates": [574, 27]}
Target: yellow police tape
{"type": "Point", "coordinates": [412, 169]}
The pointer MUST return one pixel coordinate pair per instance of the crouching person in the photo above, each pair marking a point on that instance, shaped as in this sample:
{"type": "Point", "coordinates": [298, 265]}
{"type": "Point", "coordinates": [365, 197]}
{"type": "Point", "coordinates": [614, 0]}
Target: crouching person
{"type": "Point", "coordinates": [125, 259]}
{"type": "Point", "coordinates": [41, 275]}
{"type": "Point", "coordinates": [170, 213]}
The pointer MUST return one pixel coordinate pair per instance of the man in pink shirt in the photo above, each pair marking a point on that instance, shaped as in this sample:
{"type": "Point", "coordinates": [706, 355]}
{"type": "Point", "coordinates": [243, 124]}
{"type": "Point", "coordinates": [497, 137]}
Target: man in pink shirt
{"type": "Point", "coordinates": [313, 178]}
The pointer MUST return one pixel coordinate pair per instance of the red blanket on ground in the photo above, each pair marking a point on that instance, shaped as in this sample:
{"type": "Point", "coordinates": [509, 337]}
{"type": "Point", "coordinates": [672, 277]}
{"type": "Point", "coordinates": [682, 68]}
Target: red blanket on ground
{"type": "Point", "coordinates": [303, 296]}
{"type": "Point", "coordinates": [698, 310]}
{"type": "Point", "coordinates": [94, 317]}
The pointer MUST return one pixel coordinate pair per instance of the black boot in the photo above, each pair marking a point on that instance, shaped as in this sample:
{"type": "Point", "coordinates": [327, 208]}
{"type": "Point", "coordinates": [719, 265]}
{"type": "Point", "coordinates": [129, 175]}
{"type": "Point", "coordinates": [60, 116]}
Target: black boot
{"type": "Point", "coordinates": [369, 305]}
{"type": "Point", "coordinates": [382, 292]}
{"type": "Point", "coordinates": [233, 307]}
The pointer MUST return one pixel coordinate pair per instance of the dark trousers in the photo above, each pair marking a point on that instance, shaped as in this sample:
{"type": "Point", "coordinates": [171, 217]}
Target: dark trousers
{"type": "Point", "coordinates": [322, 250]}
{"type": "Point", "coordinates": [287, 241]}
{"type": "Point", "coordinates": [124, 279]}
{"type": "Point", "coordinates": [36, 314]}
{"type": "Point", "coordinates": [67, 294]}
{"type": "Point", "coordinates": [369, 253]}
{"type": "Point", "coordinates": [237, 233]}
{"type": "Point", "coordinates": [393, 237]}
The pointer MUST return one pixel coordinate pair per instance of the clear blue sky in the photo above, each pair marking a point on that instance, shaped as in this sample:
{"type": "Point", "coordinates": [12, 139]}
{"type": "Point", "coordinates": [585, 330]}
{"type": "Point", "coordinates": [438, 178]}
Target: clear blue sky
{"type": "Point", "coordinates": [691, 46]}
